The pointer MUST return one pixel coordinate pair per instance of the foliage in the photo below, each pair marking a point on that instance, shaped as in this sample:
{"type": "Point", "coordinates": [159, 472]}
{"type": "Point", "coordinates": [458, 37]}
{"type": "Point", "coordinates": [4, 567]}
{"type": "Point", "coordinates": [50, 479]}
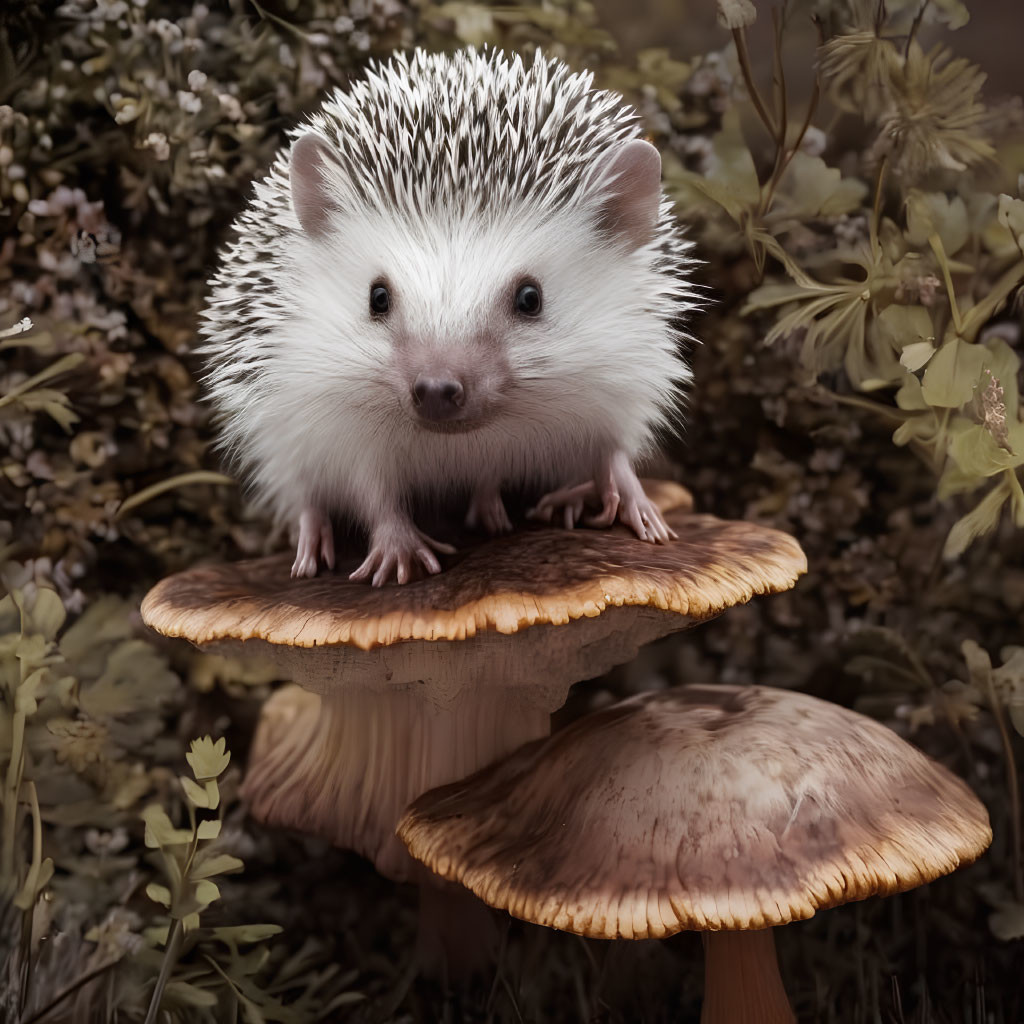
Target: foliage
{"type": "Point", "coordinates": [901, 301]}
{"type": "Point", "coordinates": [858, 386]}
{"type": "Point", "coordinates": [84, 742]}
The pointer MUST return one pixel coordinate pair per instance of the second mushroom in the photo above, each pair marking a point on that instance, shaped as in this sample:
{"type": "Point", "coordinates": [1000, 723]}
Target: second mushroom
{"type": "Point", "coordinates": [722, 809]}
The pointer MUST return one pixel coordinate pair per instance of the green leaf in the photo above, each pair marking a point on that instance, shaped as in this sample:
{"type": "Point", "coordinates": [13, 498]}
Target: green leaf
{"type": "Point", "coordinates": [953, 373]}
{"type": "Point", "coordinates": [215, 864]}
{"type": "Point", "coordinates": [953, 13]}
{"type": "Point", "coordinates": [245, 933]}
{"type": "Point", "coordinates": [209, 829]}
{"type": "Point", "coordinates": [195, 793]}
{"type": "Point", "coordinates": [731, 181]}
{"type": "Point", "coordinates": [206, 892]}
{"type": "Point", "coordinates": [734, 14]}
{"type": "Point", "coordinates": [810, 189]}
{"type": "Point", "coordinates": [26, 694]}
{"type": "Point", "coordinates": [212, 794]}
{"type": "Point", "coordinates": [183, 993]}
{"type": "Point", "coordinates": [976, 451]}
{"type": "Point", "coordinates": [916, 354]}
{"type": "Point", "coordinates": [47, 614]}
{"type": "Point", "coordinates": [62, 365]}
{"type": "Point", "coordinates": [1011, 216]}
{"type": "Point", "coordinates": [906, 325]}
{"type": "Point", "coordinates": [159, 894]}
{"type": "Point", "coordinates": [208, 759]}
{"type": "Point", "coordinates": [931, 213]}
{"type": "Point", "coordinates": [160, 833]}
{"type": "Point", "coordinates": [980, 520]}
{"type": "Point", "coordinates": [1004, 364]}
{"type": "Point", "coordinates": [106, 619]}
{"type": "Point", "coordinates": [979, 664]}
{"type": "Point", "coordinates": [37, 878]}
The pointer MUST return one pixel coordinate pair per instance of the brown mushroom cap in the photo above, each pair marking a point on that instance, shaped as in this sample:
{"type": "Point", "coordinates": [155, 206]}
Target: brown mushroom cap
{"type": "Point", "coordinates": [451, 629]}
{"type": "Point", "coordinates": [424, 683]}
{"type": "Point", "coordinates": [701, 807]}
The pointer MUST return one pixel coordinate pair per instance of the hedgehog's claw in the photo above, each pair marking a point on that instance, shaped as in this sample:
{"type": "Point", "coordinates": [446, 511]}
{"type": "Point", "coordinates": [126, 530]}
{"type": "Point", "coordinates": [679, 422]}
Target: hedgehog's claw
{"type": "Point", "coordinates": [316, 543]}
{"type": "Point", "coordinates": [487, 510]}
{"type": "Point", "coordinates": [622, 499]}
{"type": "Point", "coordinates": [569, 499]}
{"type": "Point", "coordinates": [399, 551]}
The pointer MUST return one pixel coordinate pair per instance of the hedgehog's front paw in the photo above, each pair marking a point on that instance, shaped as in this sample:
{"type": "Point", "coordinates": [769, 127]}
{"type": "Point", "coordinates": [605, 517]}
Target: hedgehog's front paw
{"type": "Point", "coordinates": [399, 551]}
{"type": "Point", "coordinates": [487, 510]}
{"type": "Point", "coordinates": [644, 518]}
{"type": "Point", "coordinates": [316, 543]}
{"type": "Point", "coordinates": [623, 498]}
{"type": "Point", "coordinates": [568, 501]}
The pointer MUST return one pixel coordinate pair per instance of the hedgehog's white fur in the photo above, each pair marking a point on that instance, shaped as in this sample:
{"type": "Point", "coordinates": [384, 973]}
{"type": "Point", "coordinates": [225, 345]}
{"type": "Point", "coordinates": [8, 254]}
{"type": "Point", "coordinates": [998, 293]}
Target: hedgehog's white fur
{"type": "Point", "coordinates": [453, 173]}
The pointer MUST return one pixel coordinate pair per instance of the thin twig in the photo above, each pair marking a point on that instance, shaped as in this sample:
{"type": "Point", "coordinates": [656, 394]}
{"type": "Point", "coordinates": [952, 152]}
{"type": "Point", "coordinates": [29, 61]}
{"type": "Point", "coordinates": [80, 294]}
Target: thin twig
{"type": "Point", "coordinates": [876, 207]}
{"type": "Point", "coordinates": [28, 914]}
{"type": "Point", "coordinates": [70, 990]}
{"type": "Point", "coordinates": [915, 25]}
{"type": "Point", "coordinates": [935, 241]}
{"type": "Point", "coordinates": [170, 960]}
{"type": "Point", "coordinates": [743, 55]}
{"type": "Point", "coordinates": [779, 79]}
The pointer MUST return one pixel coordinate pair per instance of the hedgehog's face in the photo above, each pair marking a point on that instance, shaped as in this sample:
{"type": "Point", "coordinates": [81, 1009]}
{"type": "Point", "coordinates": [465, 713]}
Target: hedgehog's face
{"type": "Point", "coordinates": [459, 322]}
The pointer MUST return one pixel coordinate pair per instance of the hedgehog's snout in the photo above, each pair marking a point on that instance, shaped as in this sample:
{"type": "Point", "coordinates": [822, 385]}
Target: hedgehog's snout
{"type": "Point", "coordinates": [438, 399]}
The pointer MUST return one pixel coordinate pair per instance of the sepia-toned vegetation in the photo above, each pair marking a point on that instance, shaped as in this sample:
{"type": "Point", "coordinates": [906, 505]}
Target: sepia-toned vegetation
{"type": "Point", "coordinates": [857, 385]}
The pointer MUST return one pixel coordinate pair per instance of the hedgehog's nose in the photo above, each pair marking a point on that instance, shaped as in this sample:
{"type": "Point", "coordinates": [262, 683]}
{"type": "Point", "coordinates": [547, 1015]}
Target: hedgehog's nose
{"type": "Point", "coordinates": [438, 398]}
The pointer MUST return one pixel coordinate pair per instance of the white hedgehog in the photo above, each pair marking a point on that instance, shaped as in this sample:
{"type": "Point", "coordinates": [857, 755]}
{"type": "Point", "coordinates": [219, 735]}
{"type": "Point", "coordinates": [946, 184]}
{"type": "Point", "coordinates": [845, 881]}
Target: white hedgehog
{"type": "Point", "coordinates": [459, 274]}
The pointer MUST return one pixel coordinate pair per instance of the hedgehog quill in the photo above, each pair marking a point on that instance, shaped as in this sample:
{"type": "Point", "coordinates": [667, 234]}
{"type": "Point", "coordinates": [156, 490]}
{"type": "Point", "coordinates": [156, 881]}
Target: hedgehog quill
{"type": "Point", "coordinates": [461, 274]}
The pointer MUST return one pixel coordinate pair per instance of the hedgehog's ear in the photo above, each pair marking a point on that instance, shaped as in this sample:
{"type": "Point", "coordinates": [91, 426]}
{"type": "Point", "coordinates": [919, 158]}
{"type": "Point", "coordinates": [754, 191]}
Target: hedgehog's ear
{"type": "Point", "coordinates": [631, 185]}
{"type": "Point", "coordinates": [311, 156]}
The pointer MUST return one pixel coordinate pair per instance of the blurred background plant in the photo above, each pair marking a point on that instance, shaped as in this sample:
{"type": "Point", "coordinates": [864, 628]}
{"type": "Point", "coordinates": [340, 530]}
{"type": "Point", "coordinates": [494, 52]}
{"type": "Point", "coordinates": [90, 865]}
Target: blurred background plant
{"type": "Point", "coordinates": [854, 185]}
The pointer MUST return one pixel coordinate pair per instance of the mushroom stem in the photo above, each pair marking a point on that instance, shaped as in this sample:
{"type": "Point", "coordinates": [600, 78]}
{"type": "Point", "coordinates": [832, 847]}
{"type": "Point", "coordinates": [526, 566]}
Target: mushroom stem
{"type": "Point", "coordinates": [346, 765]}
{"type": "Point", "coordinates": [742, 984]}
{"type": "Point", "coordinates": [458, 934]}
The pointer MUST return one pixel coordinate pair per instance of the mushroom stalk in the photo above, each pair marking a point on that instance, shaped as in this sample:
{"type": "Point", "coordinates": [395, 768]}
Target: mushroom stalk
{"type": "Point", "coordinates": [458, 934]}
{"type": "Point", "coordinates": [345, 766]}
{"type": "Point", "coordinates": [742, 984]}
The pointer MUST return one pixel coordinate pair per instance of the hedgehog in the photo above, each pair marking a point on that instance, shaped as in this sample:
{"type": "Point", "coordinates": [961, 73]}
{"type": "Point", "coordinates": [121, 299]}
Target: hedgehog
{"type": "Point", "coordinates": [460, 276]}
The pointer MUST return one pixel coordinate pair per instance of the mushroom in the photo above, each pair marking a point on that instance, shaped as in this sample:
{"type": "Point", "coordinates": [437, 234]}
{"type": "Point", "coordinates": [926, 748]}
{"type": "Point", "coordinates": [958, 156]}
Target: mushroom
{"type": "Point", "coordinates": [415, 686]}
{"type": "Point", "coordinates": [723, 809]}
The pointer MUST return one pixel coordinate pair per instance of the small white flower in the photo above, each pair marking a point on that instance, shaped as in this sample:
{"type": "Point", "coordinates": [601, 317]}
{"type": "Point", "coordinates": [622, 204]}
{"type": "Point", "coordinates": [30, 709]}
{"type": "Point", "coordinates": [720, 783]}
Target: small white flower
{"type": "Point", "coordinates": [157, 142]}
{"type": "Point", "coordinates": [189, 102]}
{"type": "Point", "coordinates": [230, 106]}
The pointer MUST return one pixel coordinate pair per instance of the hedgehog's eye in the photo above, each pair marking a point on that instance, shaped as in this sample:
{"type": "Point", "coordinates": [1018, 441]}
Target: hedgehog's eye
{"type": "Point", "coordinates": [528, 301]}
{"type": "Point", "coordinates": [380, 299]}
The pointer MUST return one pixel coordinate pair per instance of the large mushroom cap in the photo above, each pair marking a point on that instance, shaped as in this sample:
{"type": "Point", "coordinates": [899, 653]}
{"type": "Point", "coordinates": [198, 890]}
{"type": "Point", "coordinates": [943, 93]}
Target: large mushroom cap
{"type": "Point", "coordinates": [452, 629]}
{"type": "Point", "coordinates": [702, 807]}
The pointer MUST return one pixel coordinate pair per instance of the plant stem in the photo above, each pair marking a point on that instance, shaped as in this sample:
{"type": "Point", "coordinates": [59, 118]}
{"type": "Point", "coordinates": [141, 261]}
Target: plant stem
{"type": "Point", "coordinates": [1013, 786]}
{"type": "Point", "coordinates": [12, 787]}
{"type": "Point", "coordinates": [935, 241]}
{"type": "Point", "coordinates": [29, 912]}
{"type": "Point", "coordinates": [918, 18]}
{"type": "Point", "coordinates": [743, 55]}
{"type": "Point", "coordinates": [170, 959]}
{"type": "Point", "coordinates": [40, 1015]}
{"type": "Point", "coordinates": [876, 208]}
